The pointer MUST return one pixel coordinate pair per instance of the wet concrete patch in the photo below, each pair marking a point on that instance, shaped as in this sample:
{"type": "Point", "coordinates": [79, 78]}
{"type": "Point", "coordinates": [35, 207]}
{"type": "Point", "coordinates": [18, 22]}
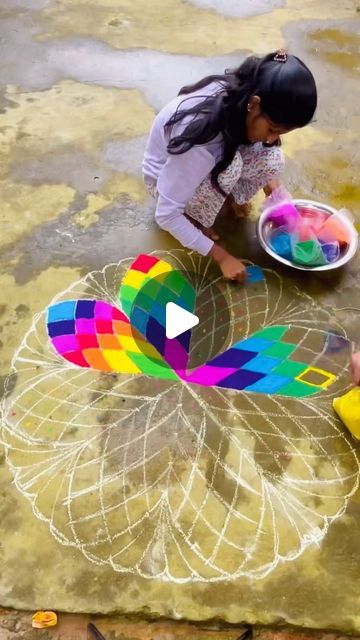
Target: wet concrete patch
{"type": "Point", "coordinates": [340, 47]}
{"type": "Point", "coordinates": [242, 9]}
{"type": "Point", "coordinates": [25, 207]}
{"type": "Point", "coordinates": [7, 385]}
{"type": "Point", "coordinates": [121, 227]}
{"type": "Point", "coordinates": [32, 5]}
{"type": "Point", "coordinates": [5, 102]}
{"type": "Point", "coordinates": [125, 156]}
{"type": "Point", "coordinates": [168, 26]}
{"type": "Point", "coordinates": [43, 150]}
{"type": "Point", "coordinates": [66, 164]}
{"type": "Point", "coordinates": [331, 177]}
{"type": "Point", "coordinates": [151, 72]}
{"type": "Point", "coordinates": [338, 112]}
{"type": "Point", "coordinates": [23, 301]}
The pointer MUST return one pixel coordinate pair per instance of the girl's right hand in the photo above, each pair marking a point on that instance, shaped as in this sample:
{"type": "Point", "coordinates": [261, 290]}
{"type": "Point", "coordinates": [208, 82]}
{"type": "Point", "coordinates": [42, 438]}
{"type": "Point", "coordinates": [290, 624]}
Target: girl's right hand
{"type": "Point", "coordinates": [232, 268]}
{"type": "Point", "coordinates": [355, 367]}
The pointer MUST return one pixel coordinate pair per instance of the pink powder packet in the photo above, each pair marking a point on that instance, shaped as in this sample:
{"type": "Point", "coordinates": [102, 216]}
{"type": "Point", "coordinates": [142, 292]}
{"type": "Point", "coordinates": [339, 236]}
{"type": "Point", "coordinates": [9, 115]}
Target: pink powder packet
{"type": "Point", "coordinates": [284, 214]}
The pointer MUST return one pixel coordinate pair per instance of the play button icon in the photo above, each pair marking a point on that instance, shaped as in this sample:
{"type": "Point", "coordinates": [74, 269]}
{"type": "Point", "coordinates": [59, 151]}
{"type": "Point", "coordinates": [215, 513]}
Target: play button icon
{"type": "Point", "coordinates": [178, 320]}
{"type": "Point", "coordinates": [182, 313]}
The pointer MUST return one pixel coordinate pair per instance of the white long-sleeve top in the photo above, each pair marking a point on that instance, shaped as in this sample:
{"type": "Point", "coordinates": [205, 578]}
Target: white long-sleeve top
{"type": "Point", "coordinates": [176, 177]}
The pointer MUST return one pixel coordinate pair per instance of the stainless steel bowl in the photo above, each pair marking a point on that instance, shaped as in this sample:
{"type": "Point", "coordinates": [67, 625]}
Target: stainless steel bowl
{"type": "Point", "coordinates": [309, 204]}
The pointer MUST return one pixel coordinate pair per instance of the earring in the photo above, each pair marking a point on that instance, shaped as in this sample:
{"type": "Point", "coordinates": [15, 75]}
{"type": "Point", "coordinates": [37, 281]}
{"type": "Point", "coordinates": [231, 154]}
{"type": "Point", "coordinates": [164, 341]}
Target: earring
{"type": "Point", "coordinates": [249, 107]}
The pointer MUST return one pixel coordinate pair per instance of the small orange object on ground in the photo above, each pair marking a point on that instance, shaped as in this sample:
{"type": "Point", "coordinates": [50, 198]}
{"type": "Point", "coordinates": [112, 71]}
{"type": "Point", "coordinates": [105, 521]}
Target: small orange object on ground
{"type": "Point", "coordinates": [44, 619]}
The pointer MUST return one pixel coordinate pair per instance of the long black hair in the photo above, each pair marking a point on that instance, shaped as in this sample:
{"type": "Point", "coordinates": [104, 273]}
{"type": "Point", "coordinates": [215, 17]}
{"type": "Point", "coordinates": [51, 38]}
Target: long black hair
{"type": "Point", "coordinates": [288, 96]}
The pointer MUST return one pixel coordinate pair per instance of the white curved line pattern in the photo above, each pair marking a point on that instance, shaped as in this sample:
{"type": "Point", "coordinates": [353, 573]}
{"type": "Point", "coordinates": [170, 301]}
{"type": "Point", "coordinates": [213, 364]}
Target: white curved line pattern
{"type": "Point", "coordinates": [167, 480]}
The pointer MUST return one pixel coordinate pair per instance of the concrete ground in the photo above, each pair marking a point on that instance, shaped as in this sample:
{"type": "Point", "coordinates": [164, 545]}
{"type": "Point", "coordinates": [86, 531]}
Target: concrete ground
{"type": "Point", "coordinates": [82, 528]}
{"type": "Point", "coordinates": [15, 625]}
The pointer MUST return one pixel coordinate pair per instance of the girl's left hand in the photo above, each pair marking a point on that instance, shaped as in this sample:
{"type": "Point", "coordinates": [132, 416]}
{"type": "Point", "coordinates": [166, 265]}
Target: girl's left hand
{"type": "Point", "coordinates": [272, 185]}
{"type": "Point", "coordinates": [275, 196]}
{"type": "Point", "coordinates": [355, 367]}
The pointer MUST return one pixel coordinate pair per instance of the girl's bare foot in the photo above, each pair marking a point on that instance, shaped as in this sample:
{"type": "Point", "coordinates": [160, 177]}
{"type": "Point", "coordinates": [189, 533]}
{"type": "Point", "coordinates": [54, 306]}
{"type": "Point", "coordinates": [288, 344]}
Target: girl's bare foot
{"type": "Point", "coordinates": [241, 210]}
{"type": "Point", "coordinates": [231, 207]}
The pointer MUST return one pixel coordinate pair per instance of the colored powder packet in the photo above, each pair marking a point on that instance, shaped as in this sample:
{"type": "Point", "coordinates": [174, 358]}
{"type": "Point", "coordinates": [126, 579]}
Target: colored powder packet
{"type": "Point", "coordinates": [305, 232]}
{"type": "Point", "coordinates": [285, 215]}
{"type": "Point", "coordinates": [348, 409]}
{"type": "Point", "coordinates": [308, 253]}
{"type": "Point", "coordinates": [335, 229]}
{"type": "Point", "coordinates": [331, 251]}
{"type": "Point", "coordinates": [254, 274]}
{"type": "Point", "coordinates": [313, 218]}
{"type": "Point", "coordinates": [280, 243]}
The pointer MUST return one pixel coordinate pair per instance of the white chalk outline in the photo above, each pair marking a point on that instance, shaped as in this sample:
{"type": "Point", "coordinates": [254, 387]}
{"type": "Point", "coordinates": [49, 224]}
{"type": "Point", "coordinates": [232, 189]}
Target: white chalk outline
{"type": "Point", "coordinates": [194, 466]}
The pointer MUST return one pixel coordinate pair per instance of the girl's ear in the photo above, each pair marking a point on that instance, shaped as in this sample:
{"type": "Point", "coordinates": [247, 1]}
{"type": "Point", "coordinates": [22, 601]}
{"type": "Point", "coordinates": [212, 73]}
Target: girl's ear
{"type": "Point", "coordinates": [254, 102]}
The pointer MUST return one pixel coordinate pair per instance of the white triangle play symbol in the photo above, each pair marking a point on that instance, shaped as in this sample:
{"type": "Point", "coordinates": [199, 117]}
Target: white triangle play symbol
{"type": "Point", "coordinates": [178, 320]}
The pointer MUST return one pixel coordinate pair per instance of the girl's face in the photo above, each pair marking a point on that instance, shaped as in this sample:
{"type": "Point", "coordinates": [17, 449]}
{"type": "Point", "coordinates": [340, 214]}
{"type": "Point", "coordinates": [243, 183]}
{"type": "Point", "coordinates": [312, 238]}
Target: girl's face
{"type": "Point", "coordinates": [259, 127]}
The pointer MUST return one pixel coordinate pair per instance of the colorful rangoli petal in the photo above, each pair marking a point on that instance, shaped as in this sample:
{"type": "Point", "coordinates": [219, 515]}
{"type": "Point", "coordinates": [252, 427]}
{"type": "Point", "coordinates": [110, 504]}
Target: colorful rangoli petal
{"type": "Point", "coordinates": [262, 364]}
{"type": "Point", "coordinates": [147, 287]}
{"type": "Point", "coordinates": [97, 335]}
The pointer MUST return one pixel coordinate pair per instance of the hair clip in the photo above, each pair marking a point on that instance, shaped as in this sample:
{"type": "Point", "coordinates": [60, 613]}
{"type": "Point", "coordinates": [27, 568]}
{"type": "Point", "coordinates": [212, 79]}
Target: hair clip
{"type": "Point", "coordinates": [281, 55]}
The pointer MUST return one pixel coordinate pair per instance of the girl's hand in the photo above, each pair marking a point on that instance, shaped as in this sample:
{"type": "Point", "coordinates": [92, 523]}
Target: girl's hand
{"type": "Point", "coordinates": [232, 268]}
{"type": "Point", "coordinates": [355, 367]}
{"type": "Point", "coordinates": [271, 186]}
{"type": "Point", "coordinates": [275, 194]}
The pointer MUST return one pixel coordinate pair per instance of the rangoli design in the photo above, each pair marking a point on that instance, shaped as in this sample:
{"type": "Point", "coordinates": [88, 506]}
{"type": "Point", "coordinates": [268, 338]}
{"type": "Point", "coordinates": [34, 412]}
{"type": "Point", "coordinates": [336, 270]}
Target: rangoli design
{"type": "Point", "coordinates": [163, 471]}
{"type": "Point", "coordinates": [95, 334]}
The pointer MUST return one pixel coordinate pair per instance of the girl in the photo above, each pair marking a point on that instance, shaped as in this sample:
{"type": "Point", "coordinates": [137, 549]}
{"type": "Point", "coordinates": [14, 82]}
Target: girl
{"type": "Point", "coordinates": [219, 140]}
